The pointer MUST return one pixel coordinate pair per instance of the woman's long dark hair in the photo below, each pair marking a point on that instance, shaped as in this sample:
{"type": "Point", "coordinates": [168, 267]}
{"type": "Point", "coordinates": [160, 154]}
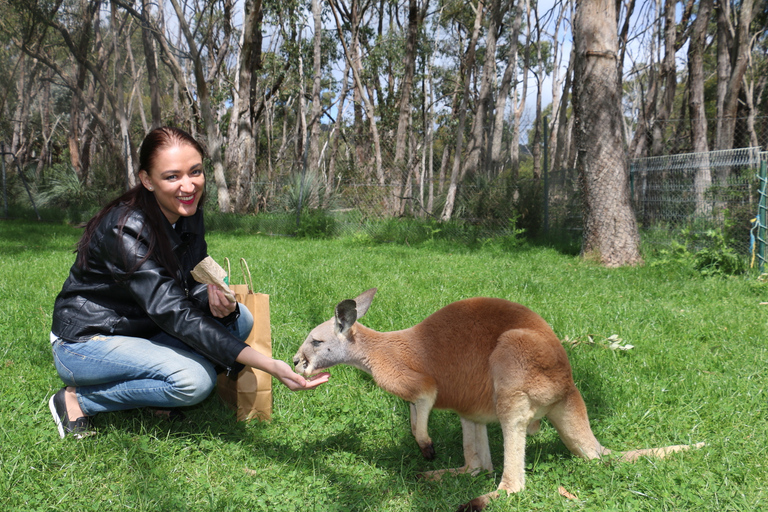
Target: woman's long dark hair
{"type": "Point", "coordinates": [139, 198]}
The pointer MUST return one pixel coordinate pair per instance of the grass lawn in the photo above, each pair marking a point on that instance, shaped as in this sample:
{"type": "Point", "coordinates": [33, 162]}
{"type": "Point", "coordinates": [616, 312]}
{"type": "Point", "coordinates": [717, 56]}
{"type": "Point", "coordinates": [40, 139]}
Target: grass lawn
{"type": "Point", "coordinates": [696, 372]}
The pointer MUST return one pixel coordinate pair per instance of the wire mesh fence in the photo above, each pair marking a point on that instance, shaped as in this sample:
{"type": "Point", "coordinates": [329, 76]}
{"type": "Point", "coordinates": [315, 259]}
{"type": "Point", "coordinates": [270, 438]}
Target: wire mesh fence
{"type": "Point", "coordinates": [675, 198]}
{"type": "Point", "coordinates": [679, 198]}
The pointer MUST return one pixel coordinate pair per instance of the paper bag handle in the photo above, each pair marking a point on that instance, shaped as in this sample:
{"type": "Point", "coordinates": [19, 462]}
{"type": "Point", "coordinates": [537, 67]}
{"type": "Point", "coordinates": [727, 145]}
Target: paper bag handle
{"type": "Point", "coordinates": [248, 279]}
{"type": "Point", "coordinates": [229, 271]}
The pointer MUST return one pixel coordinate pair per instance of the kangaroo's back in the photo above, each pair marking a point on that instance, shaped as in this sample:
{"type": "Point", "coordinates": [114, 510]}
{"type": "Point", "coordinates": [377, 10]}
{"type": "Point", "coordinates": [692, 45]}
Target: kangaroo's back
{"type": "Point", "coordinates": [458, 343]}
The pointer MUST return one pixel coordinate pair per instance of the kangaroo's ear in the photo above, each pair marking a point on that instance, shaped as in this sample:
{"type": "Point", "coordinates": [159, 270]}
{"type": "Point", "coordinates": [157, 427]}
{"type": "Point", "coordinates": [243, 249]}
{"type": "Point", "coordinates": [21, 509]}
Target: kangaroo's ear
{"type": "Point", "coordinates": [346, 316]}
{"type": "Point", "coordinates": [363, 302]}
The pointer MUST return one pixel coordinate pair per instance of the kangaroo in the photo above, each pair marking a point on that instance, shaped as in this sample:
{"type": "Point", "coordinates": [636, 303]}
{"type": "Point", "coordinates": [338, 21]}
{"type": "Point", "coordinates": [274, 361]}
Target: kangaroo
{"type": "Point", "coordinates": [486, 359]}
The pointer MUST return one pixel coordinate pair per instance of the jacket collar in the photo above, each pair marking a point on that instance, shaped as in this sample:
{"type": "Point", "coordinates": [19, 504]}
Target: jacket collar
{"type": "Point", "coordinates": [185, 229]}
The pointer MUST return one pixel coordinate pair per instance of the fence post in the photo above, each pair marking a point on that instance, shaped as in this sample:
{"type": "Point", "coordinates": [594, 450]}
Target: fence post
{"type": "Point", "coordinates": [762, 213]}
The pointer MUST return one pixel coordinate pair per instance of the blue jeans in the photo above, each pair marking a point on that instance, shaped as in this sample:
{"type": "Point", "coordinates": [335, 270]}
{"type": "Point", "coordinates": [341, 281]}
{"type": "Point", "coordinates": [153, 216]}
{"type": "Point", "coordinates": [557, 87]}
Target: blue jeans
{"type": "Point", "coordinates": [113, 373]}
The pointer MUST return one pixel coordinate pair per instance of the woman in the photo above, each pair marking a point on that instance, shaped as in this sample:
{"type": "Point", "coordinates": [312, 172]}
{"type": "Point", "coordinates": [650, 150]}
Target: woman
{"type": "Point", "coordinates": [131, 328]}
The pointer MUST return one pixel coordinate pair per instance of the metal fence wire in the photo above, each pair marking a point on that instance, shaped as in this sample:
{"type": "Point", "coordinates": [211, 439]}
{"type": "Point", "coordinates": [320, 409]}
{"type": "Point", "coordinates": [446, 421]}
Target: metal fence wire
{"type": "Point", "coordinates": [676, 198]}
{"type": "Point", "coordinates": [698, 192]}
{"type": "Point", "coordinates": [681, 197]}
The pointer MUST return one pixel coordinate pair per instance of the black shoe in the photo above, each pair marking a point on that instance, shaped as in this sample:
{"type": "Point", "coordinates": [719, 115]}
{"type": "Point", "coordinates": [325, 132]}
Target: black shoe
{"type": "Point", "coordinates": [79, 428]}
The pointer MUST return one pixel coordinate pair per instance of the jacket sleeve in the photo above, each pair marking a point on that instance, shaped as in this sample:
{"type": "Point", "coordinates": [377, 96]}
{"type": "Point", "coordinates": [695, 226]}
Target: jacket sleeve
{"type": "Point", "coordinates": [163, 299]}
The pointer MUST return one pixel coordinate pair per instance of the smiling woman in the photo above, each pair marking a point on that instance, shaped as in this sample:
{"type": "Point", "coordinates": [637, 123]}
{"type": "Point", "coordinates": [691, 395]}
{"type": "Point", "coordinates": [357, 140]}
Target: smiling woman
{"type": "Point", "coordinates": [131, 327]}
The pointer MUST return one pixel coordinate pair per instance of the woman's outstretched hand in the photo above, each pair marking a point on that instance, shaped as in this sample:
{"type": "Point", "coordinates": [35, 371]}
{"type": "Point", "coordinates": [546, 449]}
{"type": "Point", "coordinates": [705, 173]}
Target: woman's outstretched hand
{"type": "Point", "coordinates": [296, 382]}
{"type": "Point", "coordinates": [280, 370]}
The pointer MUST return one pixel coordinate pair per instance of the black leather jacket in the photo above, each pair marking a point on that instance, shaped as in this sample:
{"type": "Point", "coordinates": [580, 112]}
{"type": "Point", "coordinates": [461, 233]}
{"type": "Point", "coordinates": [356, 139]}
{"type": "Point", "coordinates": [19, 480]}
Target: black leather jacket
{"type": "Point", "coordinates": [102, 300]}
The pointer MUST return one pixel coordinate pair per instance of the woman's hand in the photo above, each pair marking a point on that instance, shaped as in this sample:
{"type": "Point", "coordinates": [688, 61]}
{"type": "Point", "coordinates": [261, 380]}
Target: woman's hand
{"type": "Point", "coordinates": [280, 370]}
{"type": "Point", "coordinates": [294, 381]}
{"type": "Point", "coordinates": [218, 303]}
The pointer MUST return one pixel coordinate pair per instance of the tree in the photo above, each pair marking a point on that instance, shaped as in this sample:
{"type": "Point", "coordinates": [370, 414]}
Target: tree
{"type": "Point", "coordinates": [202, 82]}
{"type": "Point", "coordinates": [415, 18]}
{"type": "Point", "coordinates": [734, 58]}
{"type": "Point", "coordinates": [610, 231]}
{"type": "Point", "coordinates": [469, 66]}
{"type": "Point", "coordinates": [353, 15]}
{"type": "Point", "coordinates": [696, 104]}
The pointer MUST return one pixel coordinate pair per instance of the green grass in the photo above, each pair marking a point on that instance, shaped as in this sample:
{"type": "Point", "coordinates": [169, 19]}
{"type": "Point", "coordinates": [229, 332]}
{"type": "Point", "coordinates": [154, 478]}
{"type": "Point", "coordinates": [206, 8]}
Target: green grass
{"type": "Point", "coordinates": [696, 373]}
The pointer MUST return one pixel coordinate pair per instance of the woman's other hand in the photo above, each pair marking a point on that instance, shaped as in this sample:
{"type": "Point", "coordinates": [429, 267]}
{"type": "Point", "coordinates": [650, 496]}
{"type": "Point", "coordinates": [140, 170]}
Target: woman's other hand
{"type": "Point", "coordinates": [218, 303]}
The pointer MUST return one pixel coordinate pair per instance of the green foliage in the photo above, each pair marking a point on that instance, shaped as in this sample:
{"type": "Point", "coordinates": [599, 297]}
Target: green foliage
{"type": "Point", "coordinates": [316, 223]}
{"type": "Point", "coordinates": [709, 252]}
{"type": "Point", "coordinates": [63, 189]}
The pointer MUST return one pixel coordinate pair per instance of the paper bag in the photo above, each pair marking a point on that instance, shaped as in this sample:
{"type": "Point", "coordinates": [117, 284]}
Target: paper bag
{"type": "Point", "coordinates": [250, 391]}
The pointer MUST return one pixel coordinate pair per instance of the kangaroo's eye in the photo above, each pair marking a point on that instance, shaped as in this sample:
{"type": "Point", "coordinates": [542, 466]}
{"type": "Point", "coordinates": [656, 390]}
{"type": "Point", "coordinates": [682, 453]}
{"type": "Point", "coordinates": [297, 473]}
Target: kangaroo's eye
{"type": "Point", "coordinates": [316, 343]}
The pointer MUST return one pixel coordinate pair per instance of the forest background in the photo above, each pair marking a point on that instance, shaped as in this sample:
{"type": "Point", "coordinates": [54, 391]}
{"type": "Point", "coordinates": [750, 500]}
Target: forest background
{"type": "Point", "coordinates": [442, 110]}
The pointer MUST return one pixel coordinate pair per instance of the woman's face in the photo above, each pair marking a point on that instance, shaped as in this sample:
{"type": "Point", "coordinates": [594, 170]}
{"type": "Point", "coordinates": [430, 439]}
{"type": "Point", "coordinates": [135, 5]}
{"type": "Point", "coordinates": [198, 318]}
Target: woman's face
{"type": "Point", "coordinates": [177, 180]}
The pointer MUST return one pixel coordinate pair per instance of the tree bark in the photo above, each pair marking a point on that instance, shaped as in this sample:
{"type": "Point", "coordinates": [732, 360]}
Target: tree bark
{"type": "Point", "coordinates": [739, 59]}
{"type": "Point", "coordinates": [506, 86]}
{"type": "Point", "coordinates": [610, 231]}
{"type": "Point", "coordinates": [475, 142]}
{"type": "Point", "coordinates": [415, 17]}
{"type": "Point", "coordinates": [317, 107]}
{"type": "Point", "coordinates": [356, 67]}
{"type": "Point", "coordinates": [667, 78]}
{"type": "Point", "coordinates": [150, 62]}
{"type": "Point", "coordinates": [700, 147]}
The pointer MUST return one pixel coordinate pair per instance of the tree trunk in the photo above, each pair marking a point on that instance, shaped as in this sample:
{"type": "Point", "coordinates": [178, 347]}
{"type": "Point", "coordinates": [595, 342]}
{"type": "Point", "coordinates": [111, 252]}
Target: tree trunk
{"type": "Point", "coordinates": [415, 16]}
{"type": "Point", "coordinates": [475, 142]}
{"type": "Point", "coordinates": [739, 59]}
{"type": "Point", "coordinates": [703, 179]}
{"type": "Point", "coordinates": [469, 66]}
{"type": "Point", "coordinates": [356, 67]}
{"type": "Point", "coordinates": [206, 111]}
{"type": "Point", "coordinates": [536, 143]}
{"type": "Point", "coordinates": [116, 26]}
{"type": "Point", "coordinates": [668, 79]}
{"type": "Point", "coordinates": [505, 87]}
{"type": "Point", "coordinates": [150, 62]}
{"type": "Point", "coordinates": [610, 230]}
{"type": "Point", "coordinates": [317, 107]}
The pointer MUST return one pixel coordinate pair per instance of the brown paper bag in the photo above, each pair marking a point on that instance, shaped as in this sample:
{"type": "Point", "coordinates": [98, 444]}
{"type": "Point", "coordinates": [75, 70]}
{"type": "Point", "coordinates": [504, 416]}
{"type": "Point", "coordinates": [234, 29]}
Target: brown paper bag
{"type": "Point", "coordinates": [250, 392]}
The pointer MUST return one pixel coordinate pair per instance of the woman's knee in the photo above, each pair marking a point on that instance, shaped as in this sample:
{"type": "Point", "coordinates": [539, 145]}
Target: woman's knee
{"type": "Point", "coordinates": [192, 384]}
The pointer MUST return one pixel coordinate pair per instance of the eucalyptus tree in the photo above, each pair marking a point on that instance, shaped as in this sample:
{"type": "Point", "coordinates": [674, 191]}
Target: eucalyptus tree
{"type": "Point", "coordinates": [735, 37]}
{"type": "Point", "coordinates": [416, 16]}
{"type": "Point", "coordinates": [209, 37]}
{"type": "Point", "coordinates": [468, 68]}
{"type": "Point", "coordinates": [507, 85]}
{"type": "Point", "coordinates": [353, 14]}
{"type": "Point", "coordinates": [610, 230]}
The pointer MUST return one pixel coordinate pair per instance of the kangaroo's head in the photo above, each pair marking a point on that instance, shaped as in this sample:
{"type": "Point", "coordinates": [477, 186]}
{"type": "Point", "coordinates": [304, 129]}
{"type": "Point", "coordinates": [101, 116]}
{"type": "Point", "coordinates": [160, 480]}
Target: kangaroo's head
{"type": "Point", "coordinates": [333, 342]}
